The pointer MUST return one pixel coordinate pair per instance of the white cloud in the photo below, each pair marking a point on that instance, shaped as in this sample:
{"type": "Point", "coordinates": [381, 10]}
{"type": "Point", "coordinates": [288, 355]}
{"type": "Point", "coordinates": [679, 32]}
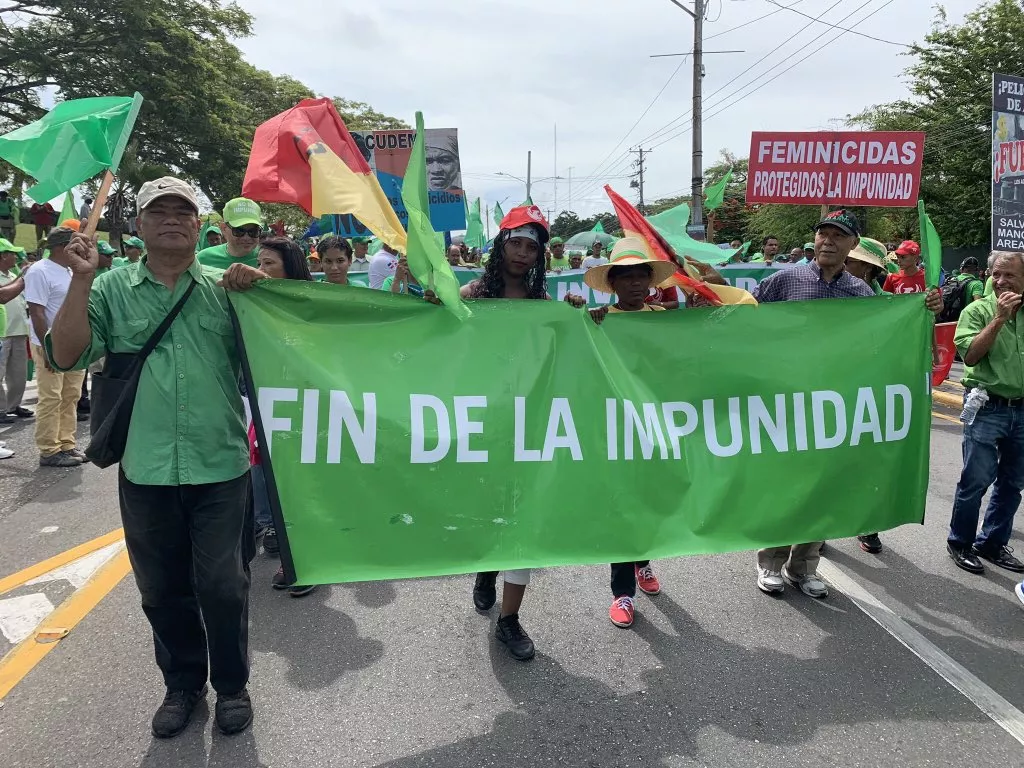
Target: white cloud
{"type": "Point", "coordinates": [504, 72]}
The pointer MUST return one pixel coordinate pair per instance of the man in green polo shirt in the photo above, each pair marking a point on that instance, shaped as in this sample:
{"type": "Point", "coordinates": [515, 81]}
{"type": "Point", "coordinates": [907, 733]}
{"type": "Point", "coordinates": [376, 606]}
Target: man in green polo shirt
{"type": "Point", "coordinates": [133, 248]}
{"type": "Point", "coordinates": [558, 260]}
{"type": "Point", "coordinates": [183, 484]}
{"type": "Point", "coordinates": [242, 226]}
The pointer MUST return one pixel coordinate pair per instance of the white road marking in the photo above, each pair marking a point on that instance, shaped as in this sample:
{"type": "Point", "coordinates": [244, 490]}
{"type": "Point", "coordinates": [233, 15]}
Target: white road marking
{"type": "Point", "coordinates": [49, 529]}
{"type": "Point", "coordinates": [1002, 712]}
{"type": "Point", "coordinates": [19, 616]}
{"type": "Point", "coordinates": [79, 571]}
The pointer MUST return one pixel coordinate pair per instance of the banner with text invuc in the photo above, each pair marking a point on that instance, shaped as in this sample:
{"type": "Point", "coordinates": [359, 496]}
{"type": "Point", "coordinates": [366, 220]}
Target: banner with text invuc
{"type": "Point", "coordinates": [835, 168]}
{"type": "Point", "coordinates": [1007, 163]}
{"type": "Point", "coordinates": [401, 442]}
{"type": "Point", "coordinates": [388, 152]}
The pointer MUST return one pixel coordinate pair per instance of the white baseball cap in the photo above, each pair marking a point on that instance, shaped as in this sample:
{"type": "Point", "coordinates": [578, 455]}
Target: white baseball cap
{"type": "Point", "coordinates": [167, 185]}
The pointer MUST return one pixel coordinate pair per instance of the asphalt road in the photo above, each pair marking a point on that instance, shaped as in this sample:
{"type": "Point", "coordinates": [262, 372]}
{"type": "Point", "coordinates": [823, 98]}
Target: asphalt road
{"type": "Point", "coordinates": [406, 674]}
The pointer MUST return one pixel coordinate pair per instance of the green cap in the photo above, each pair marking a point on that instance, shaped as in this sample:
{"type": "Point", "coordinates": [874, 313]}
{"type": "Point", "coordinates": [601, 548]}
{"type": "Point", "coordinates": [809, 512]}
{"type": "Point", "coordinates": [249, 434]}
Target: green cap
{"type": "Point", "coordinates": [134, 242]}
{"type": "Point", "coordinates": [364, 240]}
{"type": "Point", "coordinates": [242, 211]}
{"type": "Point", "coordinates": [105, 248]}
{"type": "Point", "coordinates": [6, 246]}
{"type": "Point", "coordinates": [556, 241]}
{"type": "Point", "coordinates": [808, 246]}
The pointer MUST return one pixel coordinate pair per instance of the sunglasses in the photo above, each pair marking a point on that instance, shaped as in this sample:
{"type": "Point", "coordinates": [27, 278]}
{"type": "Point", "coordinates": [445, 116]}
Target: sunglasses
{"type": "Point", "coordinates": [253, 232]}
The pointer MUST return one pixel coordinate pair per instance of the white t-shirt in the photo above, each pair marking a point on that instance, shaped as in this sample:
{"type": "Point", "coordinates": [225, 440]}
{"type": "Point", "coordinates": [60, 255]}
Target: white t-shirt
{"type": "Point", "coordinates": [382, 266]}
{"type": "Point", "coordinates": [46, 284]}
{"type": "Point", "coordinates": [17, 310]}
{"type": "Point", "coordinates": [359, 265]}
{"type": "Point", "coordinates": [591, 261]}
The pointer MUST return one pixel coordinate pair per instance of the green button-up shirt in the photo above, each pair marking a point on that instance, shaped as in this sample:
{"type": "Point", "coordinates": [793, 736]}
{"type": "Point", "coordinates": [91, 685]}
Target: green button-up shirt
{"type": "Point", "coordinates": [188, 425]}
{"type": "Point", "coordinates": [1001, 371]}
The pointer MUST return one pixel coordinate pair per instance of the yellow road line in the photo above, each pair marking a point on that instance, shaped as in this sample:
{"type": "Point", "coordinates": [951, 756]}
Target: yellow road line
{"type": "Point", "coordinates": [17, 579]}
{"type": "Point", "coordinates": [944, 417]}
{"type": "Point", "coordinates": [27, 654]}
{"type": "Point", "coordinates": [945, 398]}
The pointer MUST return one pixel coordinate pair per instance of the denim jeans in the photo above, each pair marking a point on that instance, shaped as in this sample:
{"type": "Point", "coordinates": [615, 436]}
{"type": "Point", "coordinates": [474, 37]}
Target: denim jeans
{"type": "Point", "coordinates": [260, 497]}
{"type": "Point", "coordinates": [993, 448]}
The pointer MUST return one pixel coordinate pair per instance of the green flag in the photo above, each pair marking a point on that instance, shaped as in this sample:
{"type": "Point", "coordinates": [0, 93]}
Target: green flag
{"type": "Point", "coordinates": [475, 227]}
{"type": "Point", "coordinates": [498, 215]}
{"type": "Point", "coordinates": [715, 194]}
{"type": "Point", "coordinates": [671, 225]}
{"type": "Point", "coordinates": [527, 201]}
{"type": "Point", "coordinates": [463, 447]}
{"type": "Point", "coordinates": [72, 142]}
{"type": "Point", "coordinates": [426, 248]}
{"type": "Point", "coordinates": [68, 210]}
{"type": "Point", "coordinates": [599, 227]}
{"type": "Point", "coordinates": [931, 248]}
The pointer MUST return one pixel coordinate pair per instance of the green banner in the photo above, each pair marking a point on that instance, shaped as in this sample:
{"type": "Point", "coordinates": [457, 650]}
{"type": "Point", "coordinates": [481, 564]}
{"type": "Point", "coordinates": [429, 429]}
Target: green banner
{"type": "Point", "coordinates": [402, 442]}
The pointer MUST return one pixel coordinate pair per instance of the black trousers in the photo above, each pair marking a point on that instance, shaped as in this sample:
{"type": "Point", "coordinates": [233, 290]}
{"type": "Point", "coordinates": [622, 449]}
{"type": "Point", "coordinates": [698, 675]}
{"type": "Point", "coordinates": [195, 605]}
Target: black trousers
{"type": "Point", "coordinates": [624, 578]}
{"type": "Point", "coordinates": [189, 547]}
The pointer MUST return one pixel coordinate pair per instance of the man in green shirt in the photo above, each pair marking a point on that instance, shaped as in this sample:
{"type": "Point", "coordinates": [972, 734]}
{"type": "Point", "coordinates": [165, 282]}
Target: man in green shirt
{"type": "Point", "coordinates": [183, 483]}
{"type": "Point", "coordinates": [8, 214]}
{"type": "Point", "coordinates": [558, 260]}
{"type": "Point", "coordinates": [243, 224]}
{"type": "Point", "coordinates": [989, 337]}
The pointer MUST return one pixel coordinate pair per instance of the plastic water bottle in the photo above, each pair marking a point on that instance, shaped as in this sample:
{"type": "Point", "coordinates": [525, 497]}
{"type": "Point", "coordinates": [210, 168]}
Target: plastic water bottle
{"type": "Point", "coordinates": [977, 398]}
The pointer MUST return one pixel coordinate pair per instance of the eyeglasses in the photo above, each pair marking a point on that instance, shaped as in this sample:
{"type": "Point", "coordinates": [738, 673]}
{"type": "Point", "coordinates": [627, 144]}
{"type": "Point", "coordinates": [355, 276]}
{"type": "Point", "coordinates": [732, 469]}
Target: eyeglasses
{"type": "Point", "coordinates": [253, 232]}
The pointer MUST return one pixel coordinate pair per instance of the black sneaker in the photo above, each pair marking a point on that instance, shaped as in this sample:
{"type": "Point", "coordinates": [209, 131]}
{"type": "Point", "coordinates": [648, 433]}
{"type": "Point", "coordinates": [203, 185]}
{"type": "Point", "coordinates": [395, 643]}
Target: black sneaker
{"type": "Point", "coordinates": [173, 715]}
{"type": "Point", "coordinates": [965, 558]}
{"type": "Point", "coordinates": [279, 581]}
{"type": "Point", "coordinates": [7, 418]}
{"type": "Point", "coordinates": [22, 413]}
{"type": "Point", "coordinates": [233, 713]}
{"type": "Point", "coordinates": [511, 633]}
{"type": "Point", "coordinates": [301, 591]}
{"type": "Point", "coordinates": [82, 416]}
{"type": "Point", "coordinates": [870, 543]}
{"type": "Point", "coordinates": [270, 545]}
{"type": "Point", "coordinates": [484, 592]}
{"type": "Point", "coordinates": [1003, 557]}
{"type": "Point", "coordinates": [59, 460]}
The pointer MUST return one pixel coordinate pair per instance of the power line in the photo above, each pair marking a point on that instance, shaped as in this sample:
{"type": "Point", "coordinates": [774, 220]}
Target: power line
{"type": "Point", "coordinates": [836, 26]}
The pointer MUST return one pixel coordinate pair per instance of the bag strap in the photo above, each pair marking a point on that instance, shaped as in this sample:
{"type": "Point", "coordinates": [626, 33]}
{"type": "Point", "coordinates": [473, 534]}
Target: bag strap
{"type": "Point", "coordinates": [158, 334]}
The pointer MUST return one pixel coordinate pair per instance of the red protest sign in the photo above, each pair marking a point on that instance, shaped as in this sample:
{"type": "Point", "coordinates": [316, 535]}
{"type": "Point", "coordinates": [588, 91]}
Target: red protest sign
{"type": "Point", "coordinates": [835, 167]}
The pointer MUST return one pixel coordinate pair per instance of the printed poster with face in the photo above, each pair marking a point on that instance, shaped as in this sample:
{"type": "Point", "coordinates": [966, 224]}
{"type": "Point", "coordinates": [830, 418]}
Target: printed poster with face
{"type": "Point", "coordinates": [388, 152]}
{"type": "Point", "coordinates": [1007, 163]}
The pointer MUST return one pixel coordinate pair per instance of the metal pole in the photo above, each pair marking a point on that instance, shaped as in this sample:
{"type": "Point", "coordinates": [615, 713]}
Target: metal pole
{"type": "Point", "coordinates": [529, 162]}
{"type": "Point", "coordinates": [487, 218]}
{"type": "Point", "coordinates": [697, 195]}
{"type": "Point", "coordinates": [570, 187]}
{"type": "Point", "coordinates": [556, 168]}
{"type": "Point", "coordinates": [641, 153]}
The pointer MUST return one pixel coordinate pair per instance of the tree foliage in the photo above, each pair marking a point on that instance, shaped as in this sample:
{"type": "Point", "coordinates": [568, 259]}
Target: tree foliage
{"type": "Point", "coordinates": [203, 101]}
{"type": "Point", "coordinates": [568, 223]}
{"type": "Point", "coordinates": [950, 99]}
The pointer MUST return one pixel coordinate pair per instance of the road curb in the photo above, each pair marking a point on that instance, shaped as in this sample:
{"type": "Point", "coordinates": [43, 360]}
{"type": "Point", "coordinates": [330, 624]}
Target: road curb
{"type": "Point", "coordinates": [945, 398]}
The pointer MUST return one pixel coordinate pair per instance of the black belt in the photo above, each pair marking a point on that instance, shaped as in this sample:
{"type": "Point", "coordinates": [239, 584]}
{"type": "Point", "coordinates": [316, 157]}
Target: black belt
{"type": "Point", "coordinates": [1008, 402]}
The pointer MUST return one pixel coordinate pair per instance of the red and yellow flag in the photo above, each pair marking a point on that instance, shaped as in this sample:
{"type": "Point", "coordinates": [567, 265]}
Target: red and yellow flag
{"type": "Point", "coordinates": [635, 225]}
{"type": "Point", "coordinates": [306, 156]}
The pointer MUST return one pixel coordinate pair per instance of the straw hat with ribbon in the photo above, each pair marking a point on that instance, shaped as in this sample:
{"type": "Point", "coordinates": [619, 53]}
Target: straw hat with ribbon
{"type": "Point", "coordinates": [870, 251]}
{"type": "Point", "coordinates": [627, 252]}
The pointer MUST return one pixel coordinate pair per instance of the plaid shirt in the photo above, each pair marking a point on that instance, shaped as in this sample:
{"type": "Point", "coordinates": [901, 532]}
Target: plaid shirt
{"type": "Point", "coordinates": [804, 282]}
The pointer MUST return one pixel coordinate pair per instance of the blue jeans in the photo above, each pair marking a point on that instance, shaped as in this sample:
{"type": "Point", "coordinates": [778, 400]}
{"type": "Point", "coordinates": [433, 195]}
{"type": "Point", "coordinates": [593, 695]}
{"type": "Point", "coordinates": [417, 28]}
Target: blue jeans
{"type": "Point", "coordinates": [993, 448]}
{"type": "Point", "coordinates": [260, 498]}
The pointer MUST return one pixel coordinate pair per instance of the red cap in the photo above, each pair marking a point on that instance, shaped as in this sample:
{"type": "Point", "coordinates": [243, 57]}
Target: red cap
{"type": "Point", "coordinates": [908, 248]}
{"type": "Point", "coordinates": [523, 215]}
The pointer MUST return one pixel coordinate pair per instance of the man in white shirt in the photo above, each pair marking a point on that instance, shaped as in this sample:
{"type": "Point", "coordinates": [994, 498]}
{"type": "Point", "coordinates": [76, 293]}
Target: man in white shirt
{"type": "Point", "coordinates": [596, 257]}
{"type": "Point", "coordinates": [46, 285]}
{"type": "Point", "coordinates": [360, 263]}
{"type": "Point", "coordinates": [382, 266]}
{"type": "Point", "coordinates": [13, 345]}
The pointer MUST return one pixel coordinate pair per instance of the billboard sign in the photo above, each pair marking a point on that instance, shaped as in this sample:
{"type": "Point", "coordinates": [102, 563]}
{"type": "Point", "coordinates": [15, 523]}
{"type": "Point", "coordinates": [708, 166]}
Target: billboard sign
{"type": "Point", "coordinates": [1007, 163]}
{"type": "Point", "coordinates": [835, 168]}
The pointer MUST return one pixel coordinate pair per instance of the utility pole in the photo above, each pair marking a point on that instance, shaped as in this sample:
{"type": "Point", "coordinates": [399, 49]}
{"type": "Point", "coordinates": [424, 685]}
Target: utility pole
{"type": "Point", "coordinates": [556, 169]}
{"type": "Point", "coordinates": [529, 162]}
{"type": "Point", "coordinates": [640, 152]}
{"type": "Point", "coordinates": [570, 187]}
{"type": "Point", "coordinates": [487, 219]}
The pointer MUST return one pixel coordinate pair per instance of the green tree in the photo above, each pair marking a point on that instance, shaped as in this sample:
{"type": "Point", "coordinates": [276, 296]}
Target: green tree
{"type": "Point", "coordinates": [951, 100]}
{"type": "Point", "coordinates": [732, 218]}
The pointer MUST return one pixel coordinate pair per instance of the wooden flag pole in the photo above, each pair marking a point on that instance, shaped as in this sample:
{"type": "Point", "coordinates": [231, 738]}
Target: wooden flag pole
{"type": "Point", "coordinates": [98, 204]}
{"type": "Point", "coordinates": [824, 210]}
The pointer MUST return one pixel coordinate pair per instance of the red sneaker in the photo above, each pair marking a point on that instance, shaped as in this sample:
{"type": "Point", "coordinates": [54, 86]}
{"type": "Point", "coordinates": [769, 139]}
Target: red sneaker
{"type": "Point", "coordinates": [647, 581]}
{"type": "Point", "coordinates": [621, 612]}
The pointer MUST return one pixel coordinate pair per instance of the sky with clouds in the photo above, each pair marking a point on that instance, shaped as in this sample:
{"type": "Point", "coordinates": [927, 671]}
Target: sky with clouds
{"type": "Point", "coordinates": [506, 72]}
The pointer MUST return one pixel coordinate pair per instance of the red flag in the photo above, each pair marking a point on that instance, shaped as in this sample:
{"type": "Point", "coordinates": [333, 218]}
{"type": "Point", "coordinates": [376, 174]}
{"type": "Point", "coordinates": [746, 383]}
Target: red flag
{"type": "Point", "coordinates": [635, 225]}
{"type": "Point", "coordinates": [306, 156]}
{"type": "Point", "coordinates": [945, 352]}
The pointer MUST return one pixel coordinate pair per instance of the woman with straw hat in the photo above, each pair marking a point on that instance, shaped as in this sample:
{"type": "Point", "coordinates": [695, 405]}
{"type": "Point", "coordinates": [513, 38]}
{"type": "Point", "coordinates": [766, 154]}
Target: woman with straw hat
{"type": "Point", "coordinates": [630, 274]}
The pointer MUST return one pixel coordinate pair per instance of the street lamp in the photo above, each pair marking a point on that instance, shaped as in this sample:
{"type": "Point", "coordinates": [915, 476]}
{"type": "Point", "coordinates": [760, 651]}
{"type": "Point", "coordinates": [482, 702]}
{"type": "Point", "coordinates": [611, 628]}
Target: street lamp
{"type": "Point", "coordinates": [529, 182]}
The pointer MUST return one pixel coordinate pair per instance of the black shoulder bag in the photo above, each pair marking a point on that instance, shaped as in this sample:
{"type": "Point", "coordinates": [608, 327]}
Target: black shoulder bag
{"type": "Point", "coordinates": [113, 394]}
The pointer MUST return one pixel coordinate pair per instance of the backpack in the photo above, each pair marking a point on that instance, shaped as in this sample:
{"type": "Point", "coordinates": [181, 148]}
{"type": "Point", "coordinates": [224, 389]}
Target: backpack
{"type": "Point", "coordinates": [954, 298]}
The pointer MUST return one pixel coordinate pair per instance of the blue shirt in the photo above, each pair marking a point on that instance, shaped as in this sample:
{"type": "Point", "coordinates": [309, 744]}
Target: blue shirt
{"type": "Point", "coordinates": [803, 282]}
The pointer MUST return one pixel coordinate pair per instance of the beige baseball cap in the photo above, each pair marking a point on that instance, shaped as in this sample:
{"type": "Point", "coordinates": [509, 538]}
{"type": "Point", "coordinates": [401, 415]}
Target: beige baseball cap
{"type": "Point", "coordinates": [167, 185]}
